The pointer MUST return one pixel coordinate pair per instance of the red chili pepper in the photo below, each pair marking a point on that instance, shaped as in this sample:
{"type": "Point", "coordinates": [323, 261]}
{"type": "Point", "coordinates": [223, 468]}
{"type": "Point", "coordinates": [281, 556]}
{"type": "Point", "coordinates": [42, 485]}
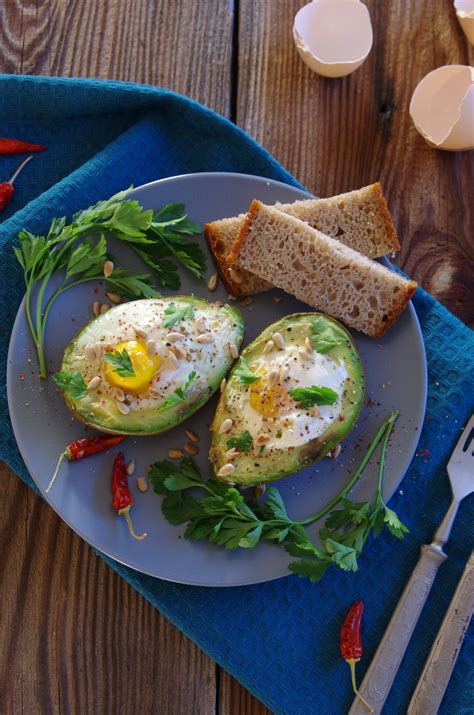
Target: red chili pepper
{"type": "Point", "coordinates": [7, 188]}
{"type": "Point", "coordinates": [351, 643]}
{"type": "Point", "coordinates": [84, 448]}
{"type": "Point", "coordinates": [16, 146]}
{"type": "Point", "coordinates": [122, 499]}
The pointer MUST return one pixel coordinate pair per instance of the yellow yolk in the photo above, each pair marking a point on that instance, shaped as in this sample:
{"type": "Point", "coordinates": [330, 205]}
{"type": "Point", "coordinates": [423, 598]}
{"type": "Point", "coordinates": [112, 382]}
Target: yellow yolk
{"type": "Point", "coordinates": [266, 398]}
{"type": "Point", "coordinates": [144, 365]}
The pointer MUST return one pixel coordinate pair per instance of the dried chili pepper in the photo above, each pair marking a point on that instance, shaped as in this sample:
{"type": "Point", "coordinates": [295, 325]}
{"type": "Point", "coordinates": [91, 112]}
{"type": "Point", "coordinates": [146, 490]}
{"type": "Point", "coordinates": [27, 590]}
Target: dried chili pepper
{"type": "Point", "coordinates": [17, 146]}
{"type": "Point", "coordinates": [351, 643]}
{"type": "Point", "coordinates": [81, 448]}
{"type": "Point", "coordinates": [7, 188]}
{"type": "Point", "coordinates": [122, 499]}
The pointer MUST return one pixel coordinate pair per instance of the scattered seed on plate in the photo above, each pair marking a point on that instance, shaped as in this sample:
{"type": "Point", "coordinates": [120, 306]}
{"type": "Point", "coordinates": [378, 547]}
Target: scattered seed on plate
{"type": "Point", "coordinates": [248, 300]}
{"type": "Point", "coordinates": [259, 491]}
{"type": "Point", "coordinates": [336, 451]}
{"type": "Point", "coordinates": [104, 308]}
{"type": "Point", "coordinates": [212, 283]}
{"type": "Point", "coordinates": [108, 268]}
{"type": "Point", "coordinates": [142, 484]}
{"type": "Point", "coordinates": [175, 454]}
{"type": "Point", "coordinates": [114, 297]}
{"type": "Point", "coordinates": [131, 467]}
{"type": "Point", "coordinates": [191, 448]}
{"type": "Point", "coordinates": [96, 307]}
{"type": "Point", "coordinates": [94, 383]}
{"type": "Point", "coordinates": [277, 298]}
{"type": "Point", "coordinates": [191, 435]}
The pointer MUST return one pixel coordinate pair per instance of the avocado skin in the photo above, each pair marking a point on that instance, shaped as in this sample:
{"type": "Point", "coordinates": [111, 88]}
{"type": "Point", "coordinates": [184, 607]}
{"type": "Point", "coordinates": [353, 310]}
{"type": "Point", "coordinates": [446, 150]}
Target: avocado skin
{"type": "Point", "coordinates": [167, 419]}
{"type": "Point", "coordinates": [298, 458]}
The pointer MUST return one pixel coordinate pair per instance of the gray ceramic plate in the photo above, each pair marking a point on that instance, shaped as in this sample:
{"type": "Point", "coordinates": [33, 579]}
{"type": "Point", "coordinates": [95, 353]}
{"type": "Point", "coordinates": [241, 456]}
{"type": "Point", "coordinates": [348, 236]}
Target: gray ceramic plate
{"type": "Point", "coordinates": [396, 378]}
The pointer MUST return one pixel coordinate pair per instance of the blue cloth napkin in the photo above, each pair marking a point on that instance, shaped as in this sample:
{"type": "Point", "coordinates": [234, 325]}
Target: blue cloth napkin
{"type": "Point", "coordinates": [279, 639]}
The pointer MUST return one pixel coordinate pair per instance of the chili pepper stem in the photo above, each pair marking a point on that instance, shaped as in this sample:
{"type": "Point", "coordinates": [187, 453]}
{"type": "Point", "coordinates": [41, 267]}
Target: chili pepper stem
{"type": "Point", "coordinates": [64, 455]}
{"type": "Point", "coordinates": [20, 168]}
{"type": "Point", "coordinates": [126, 513]}
{"type": "Point", "coordinates": [352, 662]}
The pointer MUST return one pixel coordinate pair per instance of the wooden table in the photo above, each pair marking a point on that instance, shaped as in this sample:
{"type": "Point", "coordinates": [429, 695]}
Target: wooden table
{"type": "Point", "coordinates": [74, 637]}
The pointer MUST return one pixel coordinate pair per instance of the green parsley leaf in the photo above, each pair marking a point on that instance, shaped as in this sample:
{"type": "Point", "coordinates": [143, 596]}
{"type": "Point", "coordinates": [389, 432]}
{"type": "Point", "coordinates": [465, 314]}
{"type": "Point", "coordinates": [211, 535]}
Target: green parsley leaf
{"type": "Point", "coordinates": [71, 383]}
{"type": "Point", "coordinates": [135, 285]}
{"type": "Point", "coordinates": [121, 363]}
{"type": "Point", "coordinates": [179, 395]}
{"type": "Point", "coordinates": [242, 371]}
{"type": "Point", "coordinates": [394, 524]}
{"type": "Point", "coordinates": [176, 313]}
{"type": "Point", "coordinates": [244, 442]}
{"type": "Point", "coordinates": [325, 336]}
{"type": "Point", "coordinates": [314, 395]}
{"type": "Point", "coordinates": [310, 568]}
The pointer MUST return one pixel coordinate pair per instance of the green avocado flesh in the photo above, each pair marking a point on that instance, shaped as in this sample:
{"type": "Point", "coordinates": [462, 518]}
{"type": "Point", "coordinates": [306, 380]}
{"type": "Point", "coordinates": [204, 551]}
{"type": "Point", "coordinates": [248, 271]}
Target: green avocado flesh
{"type": "Point", "coordinates": [272, 433]}
{"type": "Point", "coordinates": [182, 371]}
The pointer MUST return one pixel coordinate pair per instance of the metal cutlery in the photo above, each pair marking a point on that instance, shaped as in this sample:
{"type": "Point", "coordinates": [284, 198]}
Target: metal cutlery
{"type": "Point", "coordinates": [384, 666]}
{"type": "Point", "coordinates": [442, 658]}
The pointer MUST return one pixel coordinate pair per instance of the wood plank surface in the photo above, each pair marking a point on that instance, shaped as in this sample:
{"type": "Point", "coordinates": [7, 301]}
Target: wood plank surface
{"type": "Point", "coordinates": [339, 134]}
{"type": "Point", "coordinates": [74, 636]}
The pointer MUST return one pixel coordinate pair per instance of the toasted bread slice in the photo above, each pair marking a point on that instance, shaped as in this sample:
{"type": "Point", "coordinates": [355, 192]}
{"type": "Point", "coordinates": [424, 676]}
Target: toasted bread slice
{"type": "Point", "coordinates": [359, 219]}
{"type": "Point", "coordinates": [320, 271]}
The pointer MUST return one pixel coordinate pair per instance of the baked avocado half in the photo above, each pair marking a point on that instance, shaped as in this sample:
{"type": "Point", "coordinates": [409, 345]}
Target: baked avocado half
{"type": "Point", "coordinates": [294, 394]}
{"type": "Point", "coordinates": [145, 366]}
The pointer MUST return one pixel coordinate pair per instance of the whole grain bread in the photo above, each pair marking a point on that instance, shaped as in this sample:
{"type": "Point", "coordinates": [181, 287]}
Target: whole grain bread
{"type": "Point", "coordinates": [320, 271]}
{"type": "Point", "coordinates": [359, 219]}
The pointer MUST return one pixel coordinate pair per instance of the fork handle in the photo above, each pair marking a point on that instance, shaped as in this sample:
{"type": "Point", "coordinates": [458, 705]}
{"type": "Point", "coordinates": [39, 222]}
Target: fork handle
{"type": "Point", "coordinates": [384, 666]}
{"type": "Point", "coordinates": [444, 529]}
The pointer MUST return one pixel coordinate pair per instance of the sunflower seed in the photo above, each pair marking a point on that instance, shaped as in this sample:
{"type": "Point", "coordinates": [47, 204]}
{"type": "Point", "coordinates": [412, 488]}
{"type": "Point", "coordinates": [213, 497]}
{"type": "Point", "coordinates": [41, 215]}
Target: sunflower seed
{"type": "Point", "coordinates": [175, 454]}
{"type": "Point", "coordinates": [305, 355]}
{"type": "Point", "coordinates": [236, 276]}
{"type": "Point", "coordinates": [123, 408]}
{"type": "Point", "coordinates": [153, 392]}
{"type": "Point", "coordinates": [262, 439]}
{"type": "Point", "coordinates": [277, 298]}
{"type": "Point", "coordinates": [151, 347]}
{"type": "Point", "coordinates": [273, 377]}
{"type": "Point", "coordinates": [201, 324]}
{"type": "Point", "coordinates": [205, 338]}
{"type": "Point", "coordinates": [141, 333]}
{"type": "Point", "coordinates": [108, 268]}
{"type": "Point", "coordinates": [233, 350]}
{"type": "Point", "coordinates": [98, 350]}
{"type": "Point", "coordinates": [131, 467]}
{"type": "Point", "coordinates": [95, 382]}
{"type": "Point", "coordinates": [248, 300]}
{"type": "Point", "coordinates": [231, 453]}
{"type": "Point", "coordinates": [173, 337]}
{"type": "Point", "coordinates": [142, 484]}
{"type": "Point", "coordinates": [223, 384]}
{"type": "Point", "coordinates": [173, 359]}
{"type": "Point", "coordinates": [191, 435]}
{"type": "Point", "coordinates": [212, 283]}
{"type": "Point", "coordinates": [114, 297]}
{"type": "Point", "coordinates": [315, 411]}
{"type": "Point", "coordinates": [284, 372]}
{"type": "Point", "coordinates": [308, 345]}
{"type": "Point", "coordinates": [119, 394]}
{"type": "Point", "coordinates": [259, 491]}
{"type": "Point", "coordinates": [191, 448]}
{"type": "Point", "coordinates": [96, 307]}
{"type": "Point", "coordinates": [104, 308]}
{"type": "Point", "coordinates": [179, 352]}
{"type": "Point", "coordinates": [226, 425]}
{"type": "Point", "coordinates": [278, 341]}
{"type": "Point", "coordinates": [268, 347]}
{"type": "Point", "coordinates": [336, 451]}
{"type": "Point", "coordinates": [89, 351]}
{"type": "Point", "coordinates": [226, 470]}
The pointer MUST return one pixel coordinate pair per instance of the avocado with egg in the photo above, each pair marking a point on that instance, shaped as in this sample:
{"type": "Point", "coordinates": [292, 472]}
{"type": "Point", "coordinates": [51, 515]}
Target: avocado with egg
{"type": "Point", "coordinates": [145, 366]}
{"type": "Point", "coordinates": [294, 394]}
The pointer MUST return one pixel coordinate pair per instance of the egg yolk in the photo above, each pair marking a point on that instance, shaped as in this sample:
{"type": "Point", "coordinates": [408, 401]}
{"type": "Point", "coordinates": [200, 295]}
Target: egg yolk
{"type": "Point", "coordinates": [144, 365]}
{"type": "Point", "coordinates": [265, 398]}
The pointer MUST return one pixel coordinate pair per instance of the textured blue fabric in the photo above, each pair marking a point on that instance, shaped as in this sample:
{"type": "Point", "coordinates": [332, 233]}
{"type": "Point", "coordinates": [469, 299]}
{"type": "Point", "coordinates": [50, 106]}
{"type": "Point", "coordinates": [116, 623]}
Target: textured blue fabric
{"type": "Point", "coordinates": [279, 639]}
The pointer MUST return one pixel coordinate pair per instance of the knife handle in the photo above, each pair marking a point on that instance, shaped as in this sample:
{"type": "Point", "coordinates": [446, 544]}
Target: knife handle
{"type": "Point", "coordinates": [384, 666]}
{"type": "Point", "coordinates": [438, 668]}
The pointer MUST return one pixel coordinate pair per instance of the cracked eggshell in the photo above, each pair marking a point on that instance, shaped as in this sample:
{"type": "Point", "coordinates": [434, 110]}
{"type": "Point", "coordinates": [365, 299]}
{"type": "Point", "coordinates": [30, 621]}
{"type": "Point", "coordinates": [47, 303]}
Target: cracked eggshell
{"type": "Point", "coordinates": [442, 108]}
{"type": "Point", "coordinates": [465, 14]}
{"type": "Point", "coordinates": [333, 37]}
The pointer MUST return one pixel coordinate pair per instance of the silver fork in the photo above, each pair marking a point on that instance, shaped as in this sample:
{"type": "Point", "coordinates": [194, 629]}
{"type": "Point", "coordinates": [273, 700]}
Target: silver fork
{"type": "Point", "coordinates": [385, 663]}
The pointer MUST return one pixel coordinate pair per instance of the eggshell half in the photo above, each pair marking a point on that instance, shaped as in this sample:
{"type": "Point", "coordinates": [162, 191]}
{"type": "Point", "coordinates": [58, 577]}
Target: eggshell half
{"type": "Point", "coordinates": [465, 14]}
{"type": "Point", "coordinates": [442, 108]}
{"type": "Point", "coordinates": [333, 37]}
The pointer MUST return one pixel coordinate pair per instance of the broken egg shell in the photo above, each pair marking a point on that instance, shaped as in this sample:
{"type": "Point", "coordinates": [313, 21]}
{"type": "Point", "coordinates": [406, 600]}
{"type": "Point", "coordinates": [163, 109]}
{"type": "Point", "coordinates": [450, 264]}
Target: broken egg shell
{"type": "Point", "coordinates": [442, 108]}
{"type": "Point", "coordinates": [333, 37]}
{"type": "Point", "coordinates": [465, 14]}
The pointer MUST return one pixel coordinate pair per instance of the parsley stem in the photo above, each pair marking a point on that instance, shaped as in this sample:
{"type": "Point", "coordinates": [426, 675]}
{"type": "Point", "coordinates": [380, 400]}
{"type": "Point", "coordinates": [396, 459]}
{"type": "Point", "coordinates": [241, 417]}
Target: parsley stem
{"type": "Point", "coordinates": [384, 432]}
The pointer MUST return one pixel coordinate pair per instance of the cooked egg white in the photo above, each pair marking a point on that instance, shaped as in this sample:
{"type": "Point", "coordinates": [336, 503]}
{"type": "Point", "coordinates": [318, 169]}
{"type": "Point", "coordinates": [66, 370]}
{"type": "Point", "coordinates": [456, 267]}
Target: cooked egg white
{"type": "Point", "coordinates": [265, 406]}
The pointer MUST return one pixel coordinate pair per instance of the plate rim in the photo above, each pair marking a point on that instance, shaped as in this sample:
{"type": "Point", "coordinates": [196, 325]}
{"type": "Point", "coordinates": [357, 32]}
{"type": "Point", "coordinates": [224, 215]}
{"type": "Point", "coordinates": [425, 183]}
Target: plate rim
{"type": "Point", "coordinates": [78, 531]}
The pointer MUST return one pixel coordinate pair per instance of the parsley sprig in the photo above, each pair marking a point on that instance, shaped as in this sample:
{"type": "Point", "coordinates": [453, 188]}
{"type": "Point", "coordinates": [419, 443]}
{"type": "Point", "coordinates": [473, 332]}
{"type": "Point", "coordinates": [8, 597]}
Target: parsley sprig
{"type": "Point", "coordinates": [121, 363]}
{"type": "Point", "coordinates": [71, 383]}
{"type": "Point", "coordinates": [242, 371]}
{"type": "Point", "coordinates": [325, 336]}
{"type": "Point", "coordinates": [160, 239]}
{"type": "Point", "coordinates": [244, 442]}
{"type": "Point", "coordinates": [221, 515]}
{"type": "Point", "coordinates": [314, 395]}
{"type": "Point", "coordinates": [179, 395]}
{"type": "Point", "coordinates": [176, 313]}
